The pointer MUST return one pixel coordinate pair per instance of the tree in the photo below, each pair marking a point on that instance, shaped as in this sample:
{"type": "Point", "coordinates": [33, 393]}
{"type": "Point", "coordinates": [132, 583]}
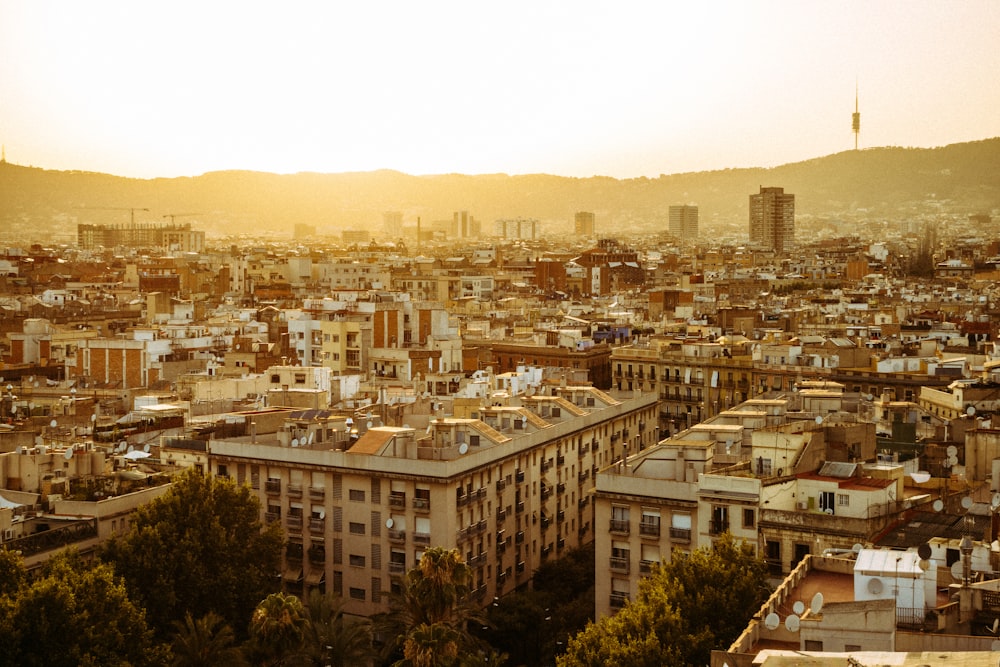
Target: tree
{"type": "Point", "coordinates": [435, 593]}
{"type": "Point", "coordinates": [205, 642]}
{"type": "Point", "coordinates": [333, 638]}
{"type": "Point", "coordinates": [685, 609]}
{"type": "Point", "coordinates": [199, 548]}
{"type": "Point", "coordinates": [12, 574]}
{"type": "Point", "coordinates": [78, 615]}
{"type": "Point", "coordinates": [431, 645]}
{"type": "Point", "coordinates": [278, 629]}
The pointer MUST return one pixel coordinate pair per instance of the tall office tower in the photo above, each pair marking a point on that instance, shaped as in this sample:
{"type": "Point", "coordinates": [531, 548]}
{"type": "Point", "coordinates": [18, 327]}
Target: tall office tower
{"type": "Point", "coordinates": [583, 224]}
{"type": "Point", "coordinates": [392, 224]}
{"type": "Point", "coordinates": [464, 226]}
{"type": "Point", "coordinates": [772, 219]}
{"type": "Point", "coordinates": [683, 222]}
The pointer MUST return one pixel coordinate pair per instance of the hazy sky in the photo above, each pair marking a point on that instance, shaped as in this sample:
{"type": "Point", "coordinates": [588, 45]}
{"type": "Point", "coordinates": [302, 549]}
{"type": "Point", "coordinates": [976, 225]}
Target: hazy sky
{"type": "Point", "coordinates": [149, 88]}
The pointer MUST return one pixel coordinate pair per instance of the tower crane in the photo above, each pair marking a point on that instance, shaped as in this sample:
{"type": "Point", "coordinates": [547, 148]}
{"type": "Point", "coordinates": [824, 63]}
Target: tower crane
{"type": "Point", "coordinates": [130, 209]}
{"type": "Point", "coordinates": [178, 215]}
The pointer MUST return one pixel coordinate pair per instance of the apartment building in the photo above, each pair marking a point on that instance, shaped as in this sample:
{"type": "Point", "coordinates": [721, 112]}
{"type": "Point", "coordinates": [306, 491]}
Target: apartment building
{"type": "Point", "coordinates": [509, 485]}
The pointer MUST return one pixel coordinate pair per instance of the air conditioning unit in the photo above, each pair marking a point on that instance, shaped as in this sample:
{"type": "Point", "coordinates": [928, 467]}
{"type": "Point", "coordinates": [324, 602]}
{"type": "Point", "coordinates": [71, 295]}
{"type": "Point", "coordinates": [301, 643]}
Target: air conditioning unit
{"type": "Point", "coordinates": [802, 505]}
{"type": "Point", "coordinates": [8, 534]}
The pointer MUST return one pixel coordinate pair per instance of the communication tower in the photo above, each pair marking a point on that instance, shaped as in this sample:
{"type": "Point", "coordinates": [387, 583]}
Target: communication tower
{"type": "Point", "coordinates": [856, 118]}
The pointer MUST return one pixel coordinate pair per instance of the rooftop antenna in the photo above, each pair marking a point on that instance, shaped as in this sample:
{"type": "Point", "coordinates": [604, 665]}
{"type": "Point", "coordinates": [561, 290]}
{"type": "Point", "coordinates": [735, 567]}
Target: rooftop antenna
{"type": "Point", "coordinates": [856, 117]}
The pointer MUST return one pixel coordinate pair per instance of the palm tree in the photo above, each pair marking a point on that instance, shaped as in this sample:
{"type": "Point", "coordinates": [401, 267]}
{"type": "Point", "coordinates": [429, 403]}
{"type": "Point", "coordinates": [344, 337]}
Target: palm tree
{"type": "Point", "coordinates": [333, 638]}
{"type": "Point", "coordinates": [205, 642]}
{"type": "Point", "coordinates": [434, 645]}
{"type": "Point", "coordinates": [278, 628]}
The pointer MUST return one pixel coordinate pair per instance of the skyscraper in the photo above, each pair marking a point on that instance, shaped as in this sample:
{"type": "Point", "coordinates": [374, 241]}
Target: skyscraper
{"type": "Point", "coordinates": [683, 222]}
{"type": "Point", "coordinates": [772, 219]}
{"type": "Point", "coordinates": [583, 224]}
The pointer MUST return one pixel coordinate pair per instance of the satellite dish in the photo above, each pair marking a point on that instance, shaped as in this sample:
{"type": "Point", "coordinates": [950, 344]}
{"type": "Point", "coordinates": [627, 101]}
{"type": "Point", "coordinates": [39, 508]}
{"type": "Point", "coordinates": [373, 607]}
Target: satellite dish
{"type": "Point", "coordinates": [405, 425]}
{"type": "Point", "coordinates": [869, 397]}
{"type": "Point", "coordinates": [819, 419]}
{"type": "Point", "coordinates": [971, 410]}
{"type": "Point", "coordinates": [995, 646]}
{"type": "Point", "coordinates": [131, 448]}
{"type": "Point", "coordinates": [799, 607]}
{"type": "Point", "coordinates": [967, 502]}
{"type": "Point", "coordinates": [389, 523]}
{"type": "Point", "coordinates": [312, 435]}
{"type": "Point", "coordinates": [145, 448]}
{"type": "Point", "coordinates": [957, 570]}
{"type": "Point", "coordinates": [924, 551]}
{"type": "Point", "coordinates": [828, 510]}
{"type": "Point", "coordinates": [295, 442]}
{"type": "Point", "coordinates": [952, 460]}
{"type": "Point", "coordinates": [792, 623]}
{"type": "Point", "coordinates": [772, 621]}
{"type": "Point", "coordinates": [920, 476]}
{"type": "Point", "coordinates": [875, 586]}
{"type": "Point", "coordinates": [349, 421]}
{"type": "Point", "coordinates": [857, 548]}
{"type": "Point", "coordinates": [816, 606]}
{"type": "Point", "coordinates": [924, 564]}
{"type": "Point", "coordinates": [93, 418]}
{"type": "Point", "coordinates": [952, 450]}
{"type": "Point", "coordinates": [20, 450]}
{"type": "Point", "coordinates": [938, 505]}
{"type": "Point", "coordinates": [369, 424]}
{"type": "Point", "coordinates": [463, 448]}
{"type": "Point", "coordinates": [52, 423]}
{"type": "Point", "coordinates": [68, 454]}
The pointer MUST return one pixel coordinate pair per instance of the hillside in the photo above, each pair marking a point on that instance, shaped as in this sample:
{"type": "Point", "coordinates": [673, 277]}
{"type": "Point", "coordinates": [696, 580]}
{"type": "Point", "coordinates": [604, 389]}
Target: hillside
{"type": "Point", "coordinates": [886, 182]}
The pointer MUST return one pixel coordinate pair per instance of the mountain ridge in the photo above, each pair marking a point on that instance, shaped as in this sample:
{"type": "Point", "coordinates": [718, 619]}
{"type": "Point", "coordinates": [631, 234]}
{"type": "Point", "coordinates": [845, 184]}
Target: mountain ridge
{"type": "Point", "coordinates": [886, 181]}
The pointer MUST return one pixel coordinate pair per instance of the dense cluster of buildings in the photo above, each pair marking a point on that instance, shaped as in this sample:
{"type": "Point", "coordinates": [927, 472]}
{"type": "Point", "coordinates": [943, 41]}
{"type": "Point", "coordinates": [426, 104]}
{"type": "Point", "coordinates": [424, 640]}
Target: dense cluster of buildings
{"type": "Point", "coordinates": [514, 397]}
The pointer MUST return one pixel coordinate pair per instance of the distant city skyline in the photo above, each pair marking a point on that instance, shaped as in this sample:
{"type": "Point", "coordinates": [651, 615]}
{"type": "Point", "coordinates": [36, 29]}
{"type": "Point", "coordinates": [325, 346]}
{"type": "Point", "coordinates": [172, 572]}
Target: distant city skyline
{"type": "Point", "coordinates": [626, 90]}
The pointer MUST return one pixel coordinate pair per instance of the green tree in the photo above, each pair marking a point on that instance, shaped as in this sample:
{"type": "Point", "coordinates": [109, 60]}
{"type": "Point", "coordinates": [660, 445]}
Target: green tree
{"type": "Point", "coordinates": [205, 642]}
{"type": "Point", "coordinates": [199, 548]}
{"type": "Point", "coordinates": [685, 609]}
{"type": "Point", "coordinates": [278, 629]}
{"type": "Point", "coordinates": [11, 572]}
{"type": "Point", "coordinates": [77, 615]}
{"type": "Point", "coordinates": [334, 638]}
{"type": "Point", "coordinates": [431, 645]}
{"type": "Point", "coordinates": [435, 593]}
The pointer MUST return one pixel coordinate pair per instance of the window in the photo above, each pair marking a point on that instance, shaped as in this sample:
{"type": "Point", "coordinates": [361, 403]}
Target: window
{"type": "Point", "coordinates": [749, 517]}
{"type": "Point", "coordinates": [357, 561]}
{"type": "Point", "coordinates": [357, 528]}
{"type": "Point", "coordinates": [813, 645]}
{"type": "Point", "coordinates": [357, 593]}
{"type": "Point", "coordinates": [619, 518]}
{"type": "Point", "coordinates": [843, 500]}
{"type": "Point", "coordinates": [356, 495]}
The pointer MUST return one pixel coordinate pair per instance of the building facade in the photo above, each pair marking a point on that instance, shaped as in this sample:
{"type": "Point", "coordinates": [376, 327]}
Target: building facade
{"type": "Point", "coordinates": [772, 219]}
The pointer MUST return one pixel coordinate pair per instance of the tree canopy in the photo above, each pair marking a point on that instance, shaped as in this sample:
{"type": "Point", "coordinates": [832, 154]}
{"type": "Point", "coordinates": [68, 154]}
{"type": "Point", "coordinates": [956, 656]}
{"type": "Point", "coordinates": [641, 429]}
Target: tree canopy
{"type": "Point", "coordinates": [682, 611]}
{"type": "Point", "coordinates": [72, 615]}
{"type": "Point", "coordinates": [199, 548]}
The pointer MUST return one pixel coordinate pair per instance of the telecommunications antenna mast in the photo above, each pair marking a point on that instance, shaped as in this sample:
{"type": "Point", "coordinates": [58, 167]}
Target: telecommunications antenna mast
{"type": "Point", "coordinates": [856, 117]}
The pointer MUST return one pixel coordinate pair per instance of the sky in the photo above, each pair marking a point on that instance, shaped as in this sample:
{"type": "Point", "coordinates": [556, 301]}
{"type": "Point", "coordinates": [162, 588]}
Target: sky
{"type": "Point", "coordinates": [623, 89]}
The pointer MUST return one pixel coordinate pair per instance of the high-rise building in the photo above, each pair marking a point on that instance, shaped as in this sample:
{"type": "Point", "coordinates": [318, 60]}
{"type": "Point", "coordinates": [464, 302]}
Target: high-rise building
{"type": "Point", "coordinates": [772, 219]}
{"type": "Point", "coordinates": [583, 224]}
{"type": "Point", "coordinates": [464, 226]}
{"type": "Point", "coordinates": [683, 222]}
{"type": "Point", "coordinates": [516, 228]}
{"type": "Point", "coordinates": [392, 224]}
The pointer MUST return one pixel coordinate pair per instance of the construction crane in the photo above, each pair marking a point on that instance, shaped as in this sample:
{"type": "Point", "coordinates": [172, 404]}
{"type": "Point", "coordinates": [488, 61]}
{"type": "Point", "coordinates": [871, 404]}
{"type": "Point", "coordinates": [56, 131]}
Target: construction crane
{"type": "Point", "coordinates": [178, 215]}
{"type": "Point", "coordinates": [131, 210]}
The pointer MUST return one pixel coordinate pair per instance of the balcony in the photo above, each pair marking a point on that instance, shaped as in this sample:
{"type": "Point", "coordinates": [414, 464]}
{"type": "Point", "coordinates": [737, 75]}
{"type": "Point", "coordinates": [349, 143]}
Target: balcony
{"type": "Point", "coordinates": [397, 536]}
{"type": "Point", "coordinates": [546, 522]}
{"type": "Point", "coordinates": [501, 514]}
{"type": "Point", "coordinates": [520, 567]}
{"type": "Point", "coordinates": [519, 507]}
{"type": "Point", "coordinates": [619, 564]}
{"type": "Point", "coordinates": [561, 487]}
{"type": "Point", "coordinates": [560, 543]}
{"type": "Point", "coordinates": [680, 534]}
{"type": "Point", "coordinates": [519, 476]}
{"type": "Point", "coordinates": [397, 500]}
{"type": "Point", "coordinates": [317, 556]}
{"type": "Point", "coordinates": [421, 538]}
{"type": "Point", "coordinates": [717, 527]}
{"type": "Point", "coordinates": [317, 525]}
{"type": "Point", "coordinates": [618, 600]}
{"type": "Point", "coordinates": [560, 516]}
{"type": "Point", "coordinates": [294, 521]}
{"type": "Point", "coordinates": [582, 530]}
{"type": "Point", "coordinates": [645, 566]}
{"type": "Point", "coordinates": [317, 492]}
{"type": "Point", "coordinates": [272, 486]}
{"type": "Point", "coordinates": [546, 464]}
{"type": "Point", "coordinates": [422, 505]}
{"type": "Point", "coordinates": [560, 460]}
{"type": "Point", "coordinates": [546, 492]}
{"type": "Point", "coordinates": [477, 560]}
{"type": "Point", "coordinates": [583, 475]}
{"type": "Point", "coordinates": [619, 526]}
{"type": "Point", "coordinates": [582, 502]}
{"type": "Point", "coordinates": [294, 491]}
{"type": "Point", "coordinates": [271, 517]}
{"type": "Point", "coordinates": [647, 529]}
{"type": "Point", "coordinates": [397, 568]}
{"type": "Point", "coordinates": [519, 537]}
{"type": "Point", "coordinates": [501, 485]}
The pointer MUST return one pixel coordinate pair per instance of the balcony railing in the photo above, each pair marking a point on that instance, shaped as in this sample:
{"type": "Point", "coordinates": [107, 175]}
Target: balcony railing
{"type": "Point", "coordinates": [317, 492]}
{"type": "Point", "coordinates": [294, 491]}
{"type": "Point", "coordinates": [680, 534]}
{"type": "Point", "coordinates": [421, 538]}
{"type": "Point", "coordinates": [422, 504]}
{"type": "Point", "coordinates": [619, 526]}
{"type": "Point", "coordinates": [271, 517]}
{"type": "Point", "coordinates": [619, 564]}
{"type": "Point", "coordinates": [717, 527]}
{"type": "Point", "coordinates": [647, 529]}
{"type": "Point", "coordinates": [618, 600]}
{"type": "Point", "coordinates": [317, 525]}
{"type": "Point", "coordinates": [397, 535]}
{"type": "Point", "coordinates": [397, 500]}
{"type": "Point", "coordinates": [397, 568]}
{"type": "Point", "coordinates": [272, 486]}
{"type": "Point", "coordinates": [294, 521]}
